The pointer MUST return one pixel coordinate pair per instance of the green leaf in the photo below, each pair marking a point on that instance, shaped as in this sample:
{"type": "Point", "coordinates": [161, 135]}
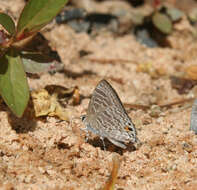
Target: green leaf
{"type": "Point", "coordinates": [37, 14]}
{"type": "Point", "coordinates": [7, 22]}
{"type": "Point", "coordinates": [162, 23]}
{"type": "Point", "coordinates": [13, 83]}
{"type": "Point", "coordinates": [175, 14]}
{"type": "Point", "coordinates": [35, 62]}
{"type": "Point", "coordinates": [34, 67]}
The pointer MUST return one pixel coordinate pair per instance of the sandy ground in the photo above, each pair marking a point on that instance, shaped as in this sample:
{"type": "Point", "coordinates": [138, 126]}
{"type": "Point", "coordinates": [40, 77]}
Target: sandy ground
{"type": "Point", "coordinates": [48, 154]}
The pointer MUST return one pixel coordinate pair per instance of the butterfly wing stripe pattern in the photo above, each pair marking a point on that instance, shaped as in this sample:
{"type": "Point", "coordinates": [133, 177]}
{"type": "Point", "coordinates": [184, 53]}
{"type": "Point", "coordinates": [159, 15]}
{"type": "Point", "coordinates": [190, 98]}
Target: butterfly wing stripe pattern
{"type": "Point", "coordinates": [107, 118]}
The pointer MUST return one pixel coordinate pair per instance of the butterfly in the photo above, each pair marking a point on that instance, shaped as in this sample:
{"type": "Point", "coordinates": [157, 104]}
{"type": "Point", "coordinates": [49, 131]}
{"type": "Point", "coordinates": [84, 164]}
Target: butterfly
{"type": "Point", "coordinates": [107, 117]}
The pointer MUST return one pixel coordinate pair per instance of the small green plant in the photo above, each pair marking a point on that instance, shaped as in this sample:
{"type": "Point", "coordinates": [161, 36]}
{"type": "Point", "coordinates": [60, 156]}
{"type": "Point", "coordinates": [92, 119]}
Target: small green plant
{"type": "Point", "coordinates": [13, 82]}
{"type": "Point", "coordinates": [164, 16]}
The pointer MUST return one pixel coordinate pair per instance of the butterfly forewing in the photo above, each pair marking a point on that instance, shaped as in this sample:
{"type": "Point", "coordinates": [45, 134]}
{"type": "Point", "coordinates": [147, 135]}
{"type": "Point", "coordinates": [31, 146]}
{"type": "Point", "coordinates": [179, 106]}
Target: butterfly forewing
{"type": "Point", "coordinates": [103, 97]}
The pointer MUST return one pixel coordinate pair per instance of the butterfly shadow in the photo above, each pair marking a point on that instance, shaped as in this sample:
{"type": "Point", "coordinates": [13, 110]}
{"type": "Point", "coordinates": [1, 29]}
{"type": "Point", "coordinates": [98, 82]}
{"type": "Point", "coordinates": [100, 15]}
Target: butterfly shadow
{"type": "Point", "coordinates": [97, 142]}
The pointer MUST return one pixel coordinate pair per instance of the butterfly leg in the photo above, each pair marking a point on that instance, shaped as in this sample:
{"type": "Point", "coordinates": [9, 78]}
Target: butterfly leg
{"type": "Point", "coordinates": [104, 147]}
{"type": "Point", "coordinates": [87, 136]}
{"type": "Point", "coordinates": [117, 143]}
{"type": "Point", "coordinates": [87, 133]}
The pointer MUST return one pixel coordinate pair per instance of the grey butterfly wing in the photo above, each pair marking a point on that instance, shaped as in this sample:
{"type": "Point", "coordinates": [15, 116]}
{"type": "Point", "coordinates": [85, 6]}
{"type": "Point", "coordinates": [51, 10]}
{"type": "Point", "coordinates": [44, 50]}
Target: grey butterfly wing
{"type": "Point", "coordinates": [107, 117]}
{"type": "Point", "coordinates": [115, 124]}
{"type": "Point", "coordinates": [103, 97]}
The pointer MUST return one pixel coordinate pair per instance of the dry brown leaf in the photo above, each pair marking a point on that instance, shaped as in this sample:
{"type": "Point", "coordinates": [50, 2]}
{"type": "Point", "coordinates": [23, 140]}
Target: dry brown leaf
{"type": "Point", "coordinates": [183, 85]}
{"type": "Point", "coordinates": [48, 101]}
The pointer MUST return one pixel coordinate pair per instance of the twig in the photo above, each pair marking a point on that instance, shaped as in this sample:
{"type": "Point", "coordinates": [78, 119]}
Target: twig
{"type": "Point", "coordinates": [144, 107]}
{"type": "Point", "coordinates": [110, 61]}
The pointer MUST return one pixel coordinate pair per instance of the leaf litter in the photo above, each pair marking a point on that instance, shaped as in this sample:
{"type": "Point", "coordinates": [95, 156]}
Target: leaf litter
{"type": "Point", "coordinates": [55, 156]}
{"type": "Point", "coordinates": [47, 101]}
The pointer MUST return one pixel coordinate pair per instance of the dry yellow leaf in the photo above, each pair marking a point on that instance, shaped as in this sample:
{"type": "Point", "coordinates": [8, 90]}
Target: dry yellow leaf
{"type": "Point", "coordinates": [47, 101]}
{"type": "Point", "coordinates": [151, 70]}
{"type": "Point", "coordinates": [41, 101]}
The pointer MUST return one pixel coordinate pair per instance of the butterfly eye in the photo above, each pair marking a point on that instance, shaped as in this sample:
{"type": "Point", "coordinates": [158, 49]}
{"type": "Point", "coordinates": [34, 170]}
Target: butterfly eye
{"type": "Point", "coordinates": [83, 117]}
